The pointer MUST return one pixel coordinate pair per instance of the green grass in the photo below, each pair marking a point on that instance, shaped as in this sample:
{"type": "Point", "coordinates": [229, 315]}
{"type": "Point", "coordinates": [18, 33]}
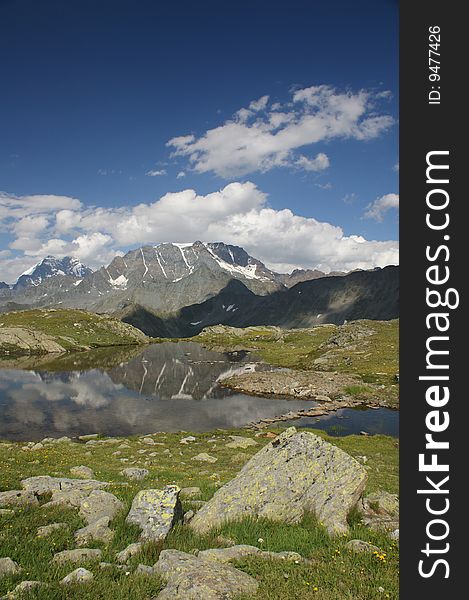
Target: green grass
{"type": "Point", "coordinates": [374, 358]}
{"type": "Point", "coordinates": [337, 573]}
{"type": "Point", "coordinates": [73, 329]}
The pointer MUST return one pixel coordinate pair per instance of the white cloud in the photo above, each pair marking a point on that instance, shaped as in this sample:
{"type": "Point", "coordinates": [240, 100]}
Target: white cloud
{"type": "Point", "coordinates": [319, 163]}
{"type": "Point", "coordinates": [377, 209]}
{"type": "Point", "coordinates": [236, 214]}
{"type": "Point", "coordinates": [180, 175]}
{"type": "Point", "coordinates": [260, 137]}
{"type": "Point", "coordinates": [155, 173]}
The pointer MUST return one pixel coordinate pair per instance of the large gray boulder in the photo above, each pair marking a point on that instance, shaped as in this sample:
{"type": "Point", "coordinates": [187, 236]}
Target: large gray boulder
{"type": "Point", "coordinates": [191, 578]}
{"type": "Point", "coordinates": [297, 472]}
{"type": "Point", "coordinates": [155, 512]}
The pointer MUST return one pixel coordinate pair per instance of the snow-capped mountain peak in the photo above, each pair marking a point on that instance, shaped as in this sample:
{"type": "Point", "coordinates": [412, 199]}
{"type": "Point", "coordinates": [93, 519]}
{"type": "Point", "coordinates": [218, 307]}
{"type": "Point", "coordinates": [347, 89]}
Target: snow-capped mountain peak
{"type": "Point", "coordinates": [52, 267]}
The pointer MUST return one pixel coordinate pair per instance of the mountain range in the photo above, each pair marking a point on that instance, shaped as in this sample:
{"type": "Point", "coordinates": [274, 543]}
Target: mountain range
{"type": "Point", "coordinates": [173, 289]}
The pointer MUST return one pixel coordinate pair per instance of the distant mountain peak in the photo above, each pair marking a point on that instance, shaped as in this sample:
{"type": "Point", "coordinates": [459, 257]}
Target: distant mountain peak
{"type": "Point", "coordinates": [50, 266]}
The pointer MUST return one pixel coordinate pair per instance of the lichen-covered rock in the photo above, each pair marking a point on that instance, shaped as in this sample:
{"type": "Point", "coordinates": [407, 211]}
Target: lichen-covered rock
{"type": "Point", "coordinates": [100, 504]}
{"type": "Point", "coordinates": [18, 498]}
{"type": "Point", "coordinates": [295, 473]}
{"type": "Point", "coordinates": [97, 530]}
{"type": "Point", "coordinates": [131, 550]}
{"type": "Point", "coordinates": [79, 555]}
{"type": "Point", "coordinates": [79, 575]}
{"type": "Point", "coordinates": [191, 578]}
{"type": "Point", "coordinates": [134, 473]}
{"type": "Point", "coordinates": [82, 471]}
{"type": "Point", "coordinates": [8, 566]}
{"type": "Point", "coordinates": [155, 512]}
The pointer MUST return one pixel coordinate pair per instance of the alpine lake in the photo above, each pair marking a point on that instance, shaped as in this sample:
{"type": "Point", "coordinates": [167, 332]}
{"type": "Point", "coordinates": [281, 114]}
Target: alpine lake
{"type": "Point", "coordinates": [169, 386]}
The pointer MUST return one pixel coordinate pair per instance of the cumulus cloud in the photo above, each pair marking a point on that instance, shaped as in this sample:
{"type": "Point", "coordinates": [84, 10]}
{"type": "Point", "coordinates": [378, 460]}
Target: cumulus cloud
{"type": "Point", "coordinates": [155, 173]}
{"type": "Point", "coordinates": [236, 214]}
{"type": "Point", "coordinates": [261, 137]}
{"type": "Point", "coordinates": [376, 210]}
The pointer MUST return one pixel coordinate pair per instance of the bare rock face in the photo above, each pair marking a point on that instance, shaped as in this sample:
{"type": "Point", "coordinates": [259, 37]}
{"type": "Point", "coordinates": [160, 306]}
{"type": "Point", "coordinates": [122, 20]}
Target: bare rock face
{"type": "Point", "coordinates": [28, 341]}
{"type": "Point", "coordinates": [155, 512]}
{"type": "Point", "coordinates": [295, 473]}
{"type": "Point", "coordinates": [191, 578]}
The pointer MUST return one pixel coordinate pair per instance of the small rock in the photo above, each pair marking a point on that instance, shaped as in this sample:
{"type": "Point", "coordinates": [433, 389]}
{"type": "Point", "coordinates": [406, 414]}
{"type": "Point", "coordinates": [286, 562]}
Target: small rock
{"type": "Point", "coordinates": [225, 541]}
{"type": "Point", "coordinates": [225, 555]}
{"type": "Point", "coordinates": [188, 516]}
{"type": "Point", "coordinates": [394, 535]}
{"type": "Point", "coordinates": [361, 546]}
{"type": "Point", "coordinates": [43, 484]}
{"type": "Point", "coordinates": [135, 473]}
{"type": "Point", "coordinates": [100, 504]}
{"type": "Point", "coordinates": [239, 457]}
{"type": "Point", "coordinates": [8, 566]}
{"type": "Point", "coordinates": [72, 498]}
{"type": "Point", "coordinates": [82, 471]}
{"type": "Point", "coordinates": [89, 436]}
{"type": "Point", "coordinates": [79, 555]}
{"type": "Point", "coordinates": [204, 457]}
{"type": "Point", "coordinates": [79, 575]}
{"type": "Point", "coordinates": [190, 492]}
{"type": "Point", "coordinates": [131, 550]}
{"type": "Point", "coordinates": [22, 588]}
{"type": "Point", "coordinates": [37, 446]}
{"type": "Point", "coordinates": [144, 570]}
{"type": "Point", "coordinates": [148, 440]}
{"type": "Point", "coordinates": [155, 512]}
{"type": "Point", "coordinates": [186, 440]}
{"type": "Point", "coordinates": [6, 512]}
{"type": "Point", "coordinates": [18, 498]}
{"type": "Point", "coordinates": [106, 566]}
{"type": "Point", "coordinates": [241, 442]}
{"type": "Point", "coordinates": [97, 530]}
{"type": "Point", "coordinates": [46, 530]}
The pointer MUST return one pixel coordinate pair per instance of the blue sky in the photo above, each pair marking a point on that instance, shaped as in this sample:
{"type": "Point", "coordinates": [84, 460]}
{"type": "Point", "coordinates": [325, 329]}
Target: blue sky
{"type": "Point", "coordinates": [291, 108]}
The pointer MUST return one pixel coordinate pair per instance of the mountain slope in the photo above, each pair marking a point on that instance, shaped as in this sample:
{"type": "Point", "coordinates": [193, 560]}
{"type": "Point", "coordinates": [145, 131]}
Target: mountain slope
{"type": "Point", "coordinates": [359, 295]}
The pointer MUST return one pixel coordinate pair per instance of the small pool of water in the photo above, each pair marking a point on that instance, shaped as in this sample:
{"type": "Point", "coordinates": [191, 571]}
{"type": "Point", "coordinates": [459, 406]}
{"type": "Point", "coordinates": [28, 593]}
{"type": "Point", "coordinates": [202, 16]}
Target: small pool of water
{"type": "Point", "coordinates": [348, 421]}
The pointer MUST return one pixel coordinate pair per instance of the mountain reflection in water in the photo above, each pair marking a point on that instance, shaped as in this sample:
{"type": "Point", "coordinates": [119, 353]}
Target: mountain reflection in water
{"type": "Point", "coordinates": [166, 387]}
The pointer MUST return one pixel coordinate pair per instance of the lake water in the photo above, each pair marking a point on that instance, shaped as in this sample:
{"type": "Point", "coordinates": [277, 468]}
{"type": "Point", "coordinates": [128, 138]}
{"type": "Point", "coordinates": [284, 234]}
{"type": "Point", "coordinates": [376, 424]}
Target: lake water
{"type": "Point", "coordinates": [125, 391]}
